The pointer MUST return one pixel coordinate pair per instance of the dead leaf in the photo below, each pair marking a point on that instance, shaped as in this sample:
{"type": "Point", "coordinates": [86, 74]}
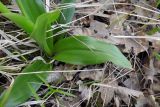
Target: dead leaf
{"type": "Point", "coordinates": [147, 100]}
{"type": "Point", "coordinates": [107, 93]}
{"type": "Point", "coordinates": [94, 75]}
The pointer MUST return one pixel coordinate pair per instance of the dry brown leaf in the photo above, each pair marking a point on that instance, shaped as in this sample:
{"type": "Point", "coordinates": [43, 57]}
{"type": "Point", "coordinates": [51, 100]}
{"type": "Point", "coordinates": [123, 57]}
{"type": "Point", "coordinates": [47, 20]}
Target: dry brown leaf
{"type": "Point", "coordinates": [137, 45]}
{"type": "Point", "coordinates": [68, 101]}
{"type": "Point", "coordinates": [146, 101]}
{"type": "Point", "coordinates": [107, 93]}
{"type": "Point", "coordinates": [98, 29]}
{"type": "Point", "coordinates": [128, 91]}
{"type": "Point", "coordinates": [85, 91]}
{"type": "Point", "coordinates": [132, 82]}
{"type": "Point", "coordinates": [94, 75]}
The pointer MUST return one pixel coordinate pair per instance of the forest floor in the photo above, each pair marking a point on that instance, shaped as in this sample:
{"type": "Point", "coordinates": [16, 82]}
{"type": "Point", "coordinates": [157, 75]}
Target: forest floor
{"type": "Point", "coordinates": [132, 25]}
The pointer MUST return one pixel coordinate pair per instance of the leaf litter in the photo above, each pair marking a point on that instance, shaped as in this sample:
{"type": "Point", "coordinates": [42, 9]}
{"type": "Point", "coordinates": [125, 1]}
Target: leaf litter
{"type": "Point", "coordinates": [125, 23]}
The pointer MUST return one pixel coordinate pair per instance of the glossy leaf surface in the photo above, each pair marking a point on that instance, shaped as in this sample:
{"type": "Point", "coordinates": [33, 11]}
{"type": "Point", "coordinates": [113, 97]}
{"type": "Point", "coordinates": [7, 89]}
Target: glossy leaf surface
{"type": "Point", "coordinates": [86, 50]}
{"type": "Point", "coordinates": [31, 8]}
{"type": "Point", "coordinates": [67, 13]}
{"type": "Point", "coordinates": [40, 31]}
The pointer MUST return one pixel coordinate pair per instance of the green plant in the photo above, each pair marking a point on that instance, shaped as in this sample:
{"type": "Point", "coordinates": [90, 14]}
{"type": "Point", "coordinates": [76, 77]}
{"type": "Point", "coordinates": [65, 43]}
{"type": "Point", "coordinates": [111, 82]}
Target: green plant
{"type": "Point", "coordinates": [158, 3]}
{"type": "Point", "coordinates": [20, 90]}
{"type": "Point", "coordinates": [157, 28]}
{"type": "Point", "coordinates": [153, 31]}
{"type": "Point", "coordinates": [79, 50]}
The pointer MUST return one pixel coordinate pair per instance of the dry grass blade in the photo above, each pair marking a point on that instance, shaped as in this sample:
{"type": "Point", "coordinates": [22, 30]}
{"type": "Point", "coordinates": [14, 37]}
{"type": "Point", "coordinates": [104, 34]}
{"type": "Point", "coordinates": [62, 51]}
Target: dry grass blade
{"type": "Point", "coordinates": [121, 89]}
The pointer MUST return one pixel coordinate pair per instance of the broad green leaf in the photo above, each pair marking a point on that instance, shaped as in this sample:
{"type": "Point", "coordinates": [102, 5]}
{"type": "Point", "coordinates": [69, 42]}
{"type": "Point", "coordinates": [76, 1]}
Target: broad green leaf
{"type": "Point", "coordinates": [3, 8]}
{"type": "Point", "coordinates": [20, 21]}
{"type": "Point", "coordinates": [31, 8]}
{"type": "Point", "coordinates": [66, 16]}
{"type": "Point", "coordinates": [41, 26]}
{"type": "Point", "coordinates": [67, 13]}
{"type": "Point", "coordinates": [20, 90]}
{"type": "Point", "coordinates": [86, 50]}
